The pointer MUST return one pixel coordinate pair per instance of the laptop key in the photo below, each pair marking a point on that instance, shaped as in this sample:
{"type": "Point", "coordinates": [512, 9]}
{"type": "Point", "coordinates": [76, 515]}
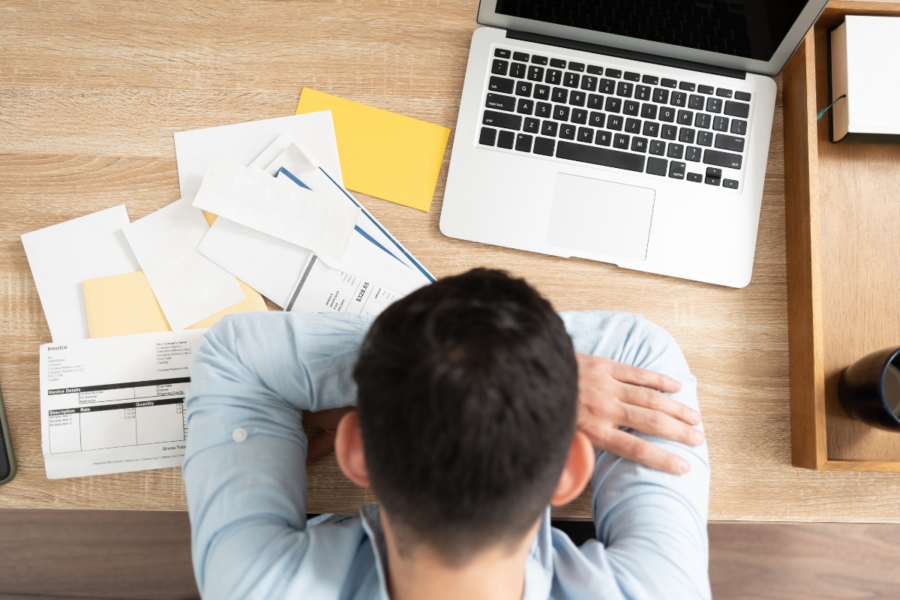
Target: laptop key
{"type": "Point", "coordinates": [642, 92]}
{"type": "Point", "coordinates": [633, 125]}
{"type": "Point", "coordinates": [695, 102]}
{"type": "Point", "coordinates": [648, 111]}
{"type": "Point", "coordinates": [660, 96]}
{"type": "Point", "coordinates": [576, 98]}
{"type": "Point", "coordinates": [624, 89]}
{"type": "Point", "coordinates": [579, 116]}
{"type": "Point", "coordinates": [686, 135]}
{"type": "Point", "coordinates": [595, 70]}
{"type": "Point", "coordinates": [523, 142]}
{"type": "Point", "coordinates": [729, 142]}
{"type": "Point", "coordinates": [538, 60]}
{"type": "Point", "coordinates": [506, 139]}
{"type": "Point", "coordinates": [576, 66]}
{"type": "Point", "coordinates": [687, 86]}
{"type": "Point", "coordinates": [604, 138]}
{"type": "Point", "coordinates": [695, 177]}
{"type": "Point", "coordinates": [669, 132]}
{"type": "Point", "coordinates": [657, 147]}
{"type": "Point", "coordinates": [532, 125]}
{"type": "Point", "coordinates": [669, 83]}
{"type": "Point", "coordinates": [639, 144]}
{"type": "Point", "coordinates": [614, 122]}
{"type": "Point", "coordinates": [713, 172]}
{"type": "Point", "coordinates": [731, 184]}
{"type": "Point", "coordinates": [589, 83]}
{"type": "Point", "coordinates": [613, 104]}
{"type": "Point", "coordinates": [520, 56]}
{"type": "Point", "coordinates": [676, 169]}
{"type": "Point", "coordinates": [504, 120]}
{"type": "Point", "coordinates": [549, 128]}
{"type": "Point", "coordinates": [571, 80]}
{"type": "Point", "coordinates": [606, 86]}
{"type": "Point", "coordinates": [705, 89]}
{"type": "Point", "coordinates": [693, 154]}
{"type": "Point", "coordinates": [526, 107]}
{"type": "Point", "coordinates": [499, 84]}
{"type": "Point", "coordinates": [558, 63]}
{"type": "Point", "coordinates": [630, 108]}
{"type": "Point", "coordinates": [523, 88]}
{"type": "Point", "coordinates": [632, 76]}
{"type": "Point", "coordinates": [501, 53]}
{"type": "Point", "coordinates": [585, 135]}
{"type": "Point", "coordinates": [614, 73]}
{"type": "Point", "coordinates": [650, 79]}
{"type": "Point", "coordinates": [500, 102]}
{"type": "Point", "coordinates": [517, 70]}
{"type": "Point", "coordinates": [739, 127]}
{"type": "Point", "coordinates": [702, 120]}
{"type": "Point", "coordinates": [679, 99]}
{"type": "Point", "coordinates": [542, 92]}
{"type": "Point", "coordinates": [535, 73]}
{"type": "Point", "coordinates": [675, 150]}
{"type": "Point", "coordinates": [554, 77]}
{"type": "Point", "coordinates": [713, 105]}
{"type": "Point", "coordinates": [737, 109]}
{"type": "Point", "coordinates": [667, 114]}
{"type": "Point", "coordinates": [543, 110]}
{"type": "Point", "coordinates": [651, 129]}
{"type": "Point", "coordinates": [705, 138]}
{"type": "Point", "coordinates": [499, 67]}
{"type": "Point", "coordinates": [745, 96]}
{"type": "Point", "coordinates": [685, 117]}
{"type": "Point", "coordinates": [720, 123]}
{"type": "Point", "coordinates": [560, 95]}
{"type": "Point", "coordinates": [561, 113]}
{"type": "Point", "coordinates": [544, 146]}
{"type": "Point", "coordinates": [567, 132]}
{"type": "Point", "coordinates": [723, 159]}
{"type": "Point", "coordinates": [488, 136]}
{"type": "Point", "coordinates": [595, 101]}
{"type": "Point", "coordinates": [724, 93]}
{"type": "Point", "coordinates": [713, 180]}
{"type": "Point", "coordinates": [657, 166]}
{"type": "Point", "coordinates": [604, 157]}
{"type": "Point", "coordinates": [597, 119]}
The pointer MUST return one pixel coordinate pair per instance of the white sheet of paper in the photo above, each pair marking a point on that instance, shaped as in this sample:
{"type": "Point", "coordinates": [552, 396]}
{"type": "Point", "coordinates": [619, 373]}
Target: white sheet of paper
{"type": "Point", "coordinates": [112, 405]}
{"type": "Point", "coordinates": [268, 265]}
{"type": "Point", "coordinates": [278, 207]}
{"type": "Point", "coordinates": [242, 142]}
{"type": "Point", "coordinates": [62, 256]}
{"type": "Point", "coordinates": [188, 286]}
{"type": "Point", "coordinates": [323, 289]}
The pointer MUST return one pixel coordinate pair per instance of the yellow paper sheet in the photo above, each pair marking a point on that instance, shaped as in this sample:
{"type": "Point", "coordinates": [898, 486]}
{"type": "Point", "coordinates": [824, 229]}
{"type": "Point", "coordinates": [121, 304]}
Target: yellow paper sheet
{"type": "Point", "coordinates": [125, 305]}
{"type": "Point", "coordinates": [383, 154]}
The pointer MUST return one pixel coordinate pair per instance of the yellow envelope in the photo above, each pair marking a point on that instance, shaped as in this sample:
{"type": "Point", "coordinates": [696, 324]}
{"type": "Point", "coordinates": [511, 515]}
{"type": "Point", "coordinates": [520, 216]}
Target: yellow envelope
{"type": "Point", "coordinates": [125, 305]}
{"type": "Point", "coordinates": [383, 154]}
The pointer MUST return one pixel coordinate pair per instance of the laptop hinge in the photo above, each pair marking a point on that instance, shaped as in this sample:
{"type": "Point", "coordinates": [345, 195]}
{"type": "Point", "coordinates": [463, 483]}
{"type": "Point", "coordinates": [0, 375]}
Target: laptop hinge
{"type": "Point", "coordinates": [620, 53]}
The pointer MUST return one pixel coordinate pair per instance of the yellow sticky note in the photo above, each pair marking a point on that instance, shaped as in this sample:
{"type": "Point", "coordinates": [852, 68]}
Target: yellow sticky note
{"type": "Point", "coordinates": [125, 305]}
{"type": "Point", "coordinates": [383, 154]}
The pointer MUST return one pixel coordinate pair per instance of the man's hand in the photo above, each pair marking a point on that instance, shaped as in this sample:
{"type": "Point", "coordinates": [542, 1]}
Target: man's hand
{"type": "Point", "coordinates": [326, 420]}
{"type": "Point", "coordinates": [613, 395]}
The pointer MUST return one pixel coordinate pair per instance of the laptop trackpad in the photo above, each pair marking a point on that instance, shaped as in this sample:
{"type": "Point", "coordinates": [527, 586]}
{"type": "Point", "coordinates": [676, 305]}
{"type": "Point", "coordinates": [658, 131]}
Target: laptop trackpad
{"type": "Point", "coordinates": [592, 215]}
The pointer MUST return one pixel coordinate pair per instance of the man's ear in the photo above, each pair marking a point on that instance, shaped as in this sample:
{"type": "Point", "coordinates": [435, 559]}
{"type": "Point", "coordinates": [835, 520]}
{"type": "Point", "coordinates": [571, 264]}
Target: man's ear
{"type": "Point", "coordinates": [577, 472]}
{"type": "Point", "coordinates": [348, 448]}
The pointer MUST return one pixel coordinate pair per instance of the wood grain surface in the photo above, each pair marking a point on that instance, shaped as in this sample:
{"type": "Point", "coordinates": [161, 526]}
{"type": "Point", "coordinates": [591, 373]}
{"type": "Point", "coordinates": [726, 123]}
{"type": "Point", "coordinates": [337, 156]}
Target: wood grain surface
{"type": "Point", "coordinates": [91, 92]}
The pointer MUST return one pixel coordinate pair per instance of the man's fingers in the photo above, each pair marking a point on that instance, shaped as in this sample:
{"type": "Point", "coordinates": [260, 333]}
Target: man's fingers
{"type": "Point", "coordinates": [645, 378]}
{"type": "Point", "coordinates": [654, 422]}
{"type": "Point", "coordinates": [631, 447]}
{"type": "Point", "coordinates": [651, 399]}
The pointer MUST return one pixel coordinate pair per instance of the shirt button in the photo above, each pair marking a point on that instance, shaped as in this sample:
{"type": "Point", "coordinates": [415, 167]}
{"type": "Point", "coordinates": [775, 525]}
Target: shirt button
{"type": "Point", "coordinates": [239, 435]}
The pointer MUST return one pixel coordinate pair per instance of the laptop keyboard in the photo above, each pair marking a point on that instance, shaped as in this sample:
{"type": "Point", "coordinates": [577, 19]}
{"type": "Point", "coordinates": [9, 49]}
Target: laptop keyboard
{"type": "Point", "coordinates": [624, 120]}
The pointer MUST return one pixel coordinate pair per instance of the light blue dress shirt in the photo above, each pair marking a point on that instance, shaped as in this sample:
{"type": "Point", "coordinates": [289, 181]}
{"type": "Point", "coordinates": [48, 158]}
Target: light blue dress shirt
{"type": "Point", "coordinates": [245, 474]}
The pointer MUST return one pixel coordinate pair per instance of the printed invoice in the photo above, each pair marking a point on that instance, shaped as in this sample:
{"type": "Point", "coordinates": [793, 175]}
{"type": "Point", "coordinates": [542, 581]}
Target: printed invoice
{"type": "Point", "coordinates": [111, 405]}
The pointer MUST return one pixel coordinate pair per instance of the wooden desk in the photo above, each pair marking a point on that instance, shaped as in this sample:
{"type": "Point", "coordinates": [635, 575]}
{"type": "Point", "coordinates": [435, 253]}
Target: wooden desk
{"type": "Point", "coordinates": [91, 92]}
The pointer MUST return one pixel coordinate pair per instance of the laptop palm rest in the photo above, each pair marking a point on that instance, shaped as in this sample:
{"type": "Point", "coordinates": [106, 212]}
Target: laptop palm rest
{"type": "Point", "coordinates": [592, 215]}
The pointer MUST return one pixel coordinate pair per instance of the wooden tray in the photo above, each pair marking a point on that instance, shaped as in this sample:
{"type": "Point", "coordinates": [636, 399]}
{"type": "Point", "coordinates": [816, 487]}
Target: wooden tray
{"type": "Point", "coordinates": [843, 259]}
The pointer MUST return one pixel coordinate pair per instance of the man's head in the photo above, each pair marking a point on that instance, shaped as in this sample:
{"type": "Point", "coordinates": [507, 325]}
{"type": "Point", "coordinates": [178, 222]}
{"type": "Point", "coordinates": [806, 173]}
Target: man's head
{"type": "Point", "coordinates": [466, 408]}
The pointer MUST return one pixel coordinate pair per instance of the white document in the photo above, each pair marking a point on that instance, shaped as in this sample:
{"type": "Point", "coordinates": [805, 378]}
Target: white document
{"type": "Point", "coordinates": [188, 286]}
{"type": "Point", "coordinates": [62, 256]}
{"type": "Point", "coordinates": [279, 208]}
{"type": "Point", "coordinates": [112, 405]}
{"type": "Point", "coordinates": [242, 142]}
{"type": "Point", "coordinates": [323, 289]}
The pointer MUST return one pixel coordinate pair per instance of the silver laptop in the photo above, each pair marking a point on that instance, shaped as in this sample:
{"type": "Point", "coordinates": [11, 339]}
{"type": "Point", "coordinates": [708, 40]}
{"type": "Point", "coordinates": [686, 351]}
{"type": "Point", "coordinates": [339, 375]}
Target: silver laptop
{"type": "Point", "coordinates": [633, 132]}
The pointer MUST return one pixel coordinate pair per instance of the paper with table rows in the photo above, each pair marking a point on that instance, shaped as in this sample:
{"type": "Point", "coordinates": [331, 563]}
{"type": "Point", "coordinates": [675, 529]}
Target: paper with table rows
{"type": "Point", "coordinates": [112, 405]}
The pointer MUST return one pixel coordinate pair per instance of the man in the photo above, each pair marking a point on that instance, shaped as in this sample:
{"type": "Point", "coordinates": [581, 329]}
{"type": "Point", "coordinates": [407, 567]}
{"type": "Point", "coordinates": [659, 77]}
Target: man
{"type": "Point", "coordinates": [478, 406]}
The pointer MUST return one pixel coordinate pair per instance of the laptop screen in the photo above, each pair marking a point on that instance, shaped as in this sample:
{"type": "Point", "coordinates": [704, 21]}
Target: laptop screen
{"type": "Point", "coordinates": [744, 28]}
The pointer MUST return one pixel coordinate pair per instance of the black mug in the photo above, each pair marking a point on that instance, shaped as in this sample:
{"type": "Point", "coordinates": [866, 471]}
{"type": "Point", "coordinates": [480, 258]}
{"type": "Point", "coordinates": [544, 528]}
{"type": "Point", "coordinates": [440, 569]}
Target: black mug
{"type": "Point", "coordinates": [870, 389]}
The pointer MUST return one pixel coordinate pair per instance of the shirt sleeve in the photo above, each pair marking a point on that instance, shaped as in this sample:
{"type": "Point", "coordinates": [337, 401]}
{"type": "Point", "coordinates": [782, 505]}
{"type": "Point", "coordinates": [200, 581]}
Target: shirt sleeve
{"type": "Point", "coordinates": [650, 525]}
{"type": "Point", "coordinates": [244, 469]}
